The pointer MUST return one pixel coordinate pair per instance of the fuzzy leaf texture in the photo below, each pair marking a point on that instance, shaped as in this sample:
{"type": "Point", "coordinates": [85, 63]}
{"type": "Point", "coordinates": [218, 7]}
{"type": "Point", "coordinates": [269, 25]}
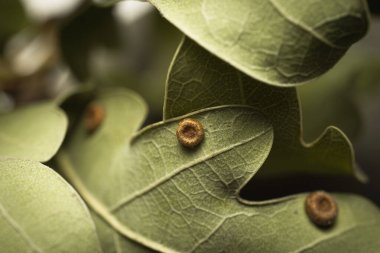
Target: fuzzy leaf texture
{"type": "Point", "coordinates": [32, 133]}
{"type": "Point", "coordinates": [40, 212]}
{"type": "Point", "coordinates": [198, 79]}
{"type": "Point", "coordinates": [154, 195]}
{"type": "Point", "coordinates": [279, 42]}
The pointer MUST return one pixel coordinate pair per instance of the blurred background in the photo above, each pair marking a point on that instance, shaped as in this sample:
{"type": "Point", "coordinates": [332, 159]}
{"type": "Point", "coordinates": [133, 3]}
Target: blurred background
{"type": "Point", "coordinates": [49, 49]}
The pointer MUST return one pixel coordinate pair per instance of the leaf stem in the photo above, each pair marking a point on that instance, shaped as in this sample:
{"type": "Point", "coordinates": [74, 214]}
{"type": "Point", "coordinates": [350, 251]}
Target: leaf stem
{"type": "Point", "coordinates": [100, 209]}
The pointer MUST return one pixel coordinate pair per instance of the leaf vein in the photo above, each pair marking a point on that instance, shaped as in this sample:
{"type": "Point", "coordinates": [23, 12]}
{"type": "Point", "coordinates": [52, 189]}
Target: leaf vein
{"type": "Point", "coordinates": [19, 229]}
{"type": "Point", "coordinates": [175, 172]}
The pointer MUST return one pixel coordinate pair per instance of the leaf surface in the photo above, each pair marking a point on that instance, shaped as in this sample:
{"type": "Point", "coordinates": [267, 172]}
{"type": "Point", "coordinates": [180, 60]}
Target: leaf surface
{"type": "Point", "coordinates": [275, 41]}
{"type": "Point", "coordinates": [159, 196]}
{"type": "Point", "coordinates": [32, 133]}
{"type": "Point", "coordinates": [125, 174]}
{"type": "Point", "coordinates": [40, 212]}
{"type": "Point", "coordinates": [198, 79]}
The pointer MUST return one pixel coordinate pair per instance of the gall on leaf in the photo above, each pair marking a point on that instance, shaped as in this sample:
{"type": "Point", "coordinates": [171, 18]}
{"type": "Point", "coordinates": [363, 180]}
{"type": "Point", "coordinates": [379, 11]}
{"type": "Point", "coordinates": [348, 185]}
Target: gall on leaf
{"type": "Point", "coordinates": [190, 132]}
{"type": "Point", "coordinates": [321, 208]}
{"type": "Point", "coordinates": [94, 117]}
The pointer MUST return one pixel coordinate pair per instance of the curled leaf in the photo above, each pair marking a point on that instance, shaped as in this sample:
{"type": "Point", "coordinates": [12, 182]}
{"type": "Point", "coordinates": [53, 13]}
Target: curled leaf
{"type": "Point", "coordinates": [154, 195]}
{"type": "Point", "coordinates": [198, 79]}
{"type": "Point", "coordinates": [278, 42]}
{"type": "Point", "coordinates": [119, 174]}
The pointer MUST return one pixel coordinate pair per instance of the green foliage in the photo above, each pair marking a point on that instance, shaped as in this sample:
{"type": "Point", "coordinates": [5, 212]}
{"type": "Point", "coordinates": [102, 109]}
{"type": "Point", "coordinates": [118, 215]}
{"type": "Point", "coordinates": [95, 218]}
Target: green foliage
{"type": "Point", "coordinates": [40, 212]}
{"type": "Point", "coordinates": [188, 199]}
{"type": "Point", "coordinates": [198, 79]}
{"type": "Point", "coordinates": [154, 163]}
{"type": "Point", "coordinates": [273, 41]}
{"type": "Point", "coordinates": [32, 133]}
{"type": "Point", "coordinates": [143, 190]}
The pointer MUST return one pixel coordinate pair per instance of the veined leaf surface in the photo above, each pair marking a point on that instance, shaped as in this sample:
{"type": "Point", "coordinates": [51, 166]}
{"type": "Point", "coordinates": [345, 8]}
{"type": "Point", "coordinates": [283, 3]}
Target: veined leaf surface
{"type": "Point", "coordinates": [156, 194]}
{"type": "Point", "coordinates": [131, 175]}
{"type": "Point", "coordinates": [40, 212]}
{"type": "Point", "coordinates": [280, 42]}
{"type": "Point", "coordinates": [198, 79]}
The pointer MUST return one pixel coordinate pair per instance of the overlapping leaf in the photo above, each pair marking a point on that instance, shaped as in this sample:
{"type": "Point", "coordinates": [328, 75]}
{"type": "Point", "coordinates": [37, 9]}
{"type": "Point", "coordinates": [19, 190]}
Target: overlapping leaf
{"type": "Point", "coordinates": [122, 172]}
{"type": "Point", "coordinates": [32, 133]}
{"type": "Point", "coordinates": [40, 212]}
{"type": "Point", "coordinates": [280, 42]}
{"type": "Point", "coordinates": [156, 194]}
{"type": "Point", "coordinates": [199, 80]}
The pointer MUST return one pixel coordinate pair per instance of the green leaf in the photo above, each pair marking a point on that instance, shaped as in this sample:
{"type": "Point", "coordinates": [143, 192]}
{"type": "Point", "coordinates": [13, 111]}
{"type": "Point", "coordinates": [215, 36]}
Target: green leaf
{"type": "Point", "coordinates": [198, 79]}
{"type": "Point", "coordinates": [123, 127]}
{"type": "Point", "coordinates": [155, 193]}
{"type": "Point", "coordinates": [40, 212]}
{"type": "Point", "coordinates": [278, 42]}
{"type": "Point", "coordinates": [32, 133]}
{"type": "Point", "coordinates": [125, 177]}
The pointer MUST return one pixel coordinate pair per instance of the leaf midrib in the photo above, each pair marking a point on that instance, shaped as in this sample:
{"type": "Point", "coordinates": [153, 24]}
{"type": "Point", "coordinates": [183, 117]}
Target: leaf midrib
{"type": "Point", "coordinates": [104, 212]}
{"type": "Point", "coordinates": [175, 172]}
{"type": "Point", "coordinates": [101, 210]}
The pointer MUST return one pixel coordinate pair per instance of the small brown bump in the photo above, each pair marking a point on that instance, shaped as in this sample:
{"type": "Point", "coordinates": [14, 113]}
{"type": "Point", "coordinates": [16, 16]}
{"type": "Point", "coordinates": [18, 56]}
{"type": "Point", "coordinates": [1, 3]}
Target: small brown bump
{"type": "Point", "coordinates": [321, 208]}
{"type": "Point", "coordinates": [94, 117]}
{"type": "Point", "coordinates": [190, 132]}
